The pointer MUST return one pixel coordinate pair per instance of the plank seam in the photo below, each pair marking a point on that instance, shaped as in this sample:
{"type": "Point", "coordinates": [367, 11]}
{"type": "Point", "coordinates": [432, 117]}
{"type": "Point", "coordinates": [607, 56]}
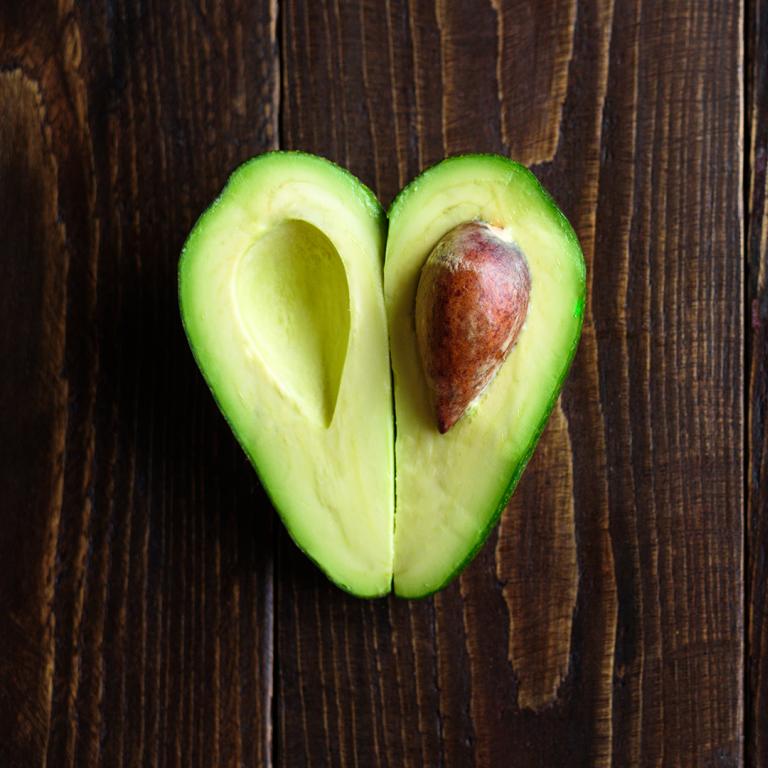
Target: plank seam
{"type": "Point", "coordinates": [747, 20]}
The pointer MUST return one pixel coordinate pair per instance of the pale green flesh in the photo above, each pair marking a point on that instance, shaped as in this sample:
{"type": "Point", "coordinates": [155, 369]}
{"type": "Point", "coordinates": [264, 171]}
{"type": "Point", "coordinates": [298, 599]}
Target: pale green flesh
{"type": "Point", "coordinates": [293, 303]}
{"type": "Point", "coordinates": [449, 487]}
{"type": "Point", "coordinates": [281, 297]}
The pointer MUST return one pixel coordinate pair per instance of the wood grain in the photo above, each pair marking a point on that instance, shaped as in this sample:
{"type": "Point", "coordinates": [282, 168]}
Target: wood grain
{"type": "Point", "coordinates": [536, 562]}
{"type": "Point", "coordinates": [634, 118]}
{"type": "Point", "coordinates": [152, 612]}
{"type": "Point", "coordinates": [757, 361]}
{"type": "Point", "coordinates": [32, 464]}
{"type": "Point", "coordinates": [135, 607]}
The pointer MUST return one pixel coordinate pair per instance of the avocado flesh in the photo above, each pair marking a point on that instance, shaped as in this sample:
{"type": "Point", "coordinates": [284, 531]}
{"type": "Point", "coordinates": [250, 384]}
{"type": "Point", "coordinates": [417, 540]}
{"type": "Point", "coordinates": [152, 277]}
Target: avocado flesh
{"type": "Point", "coordinates": [451, 488]}
{"type": "Point", "coordinates": [281, 297]}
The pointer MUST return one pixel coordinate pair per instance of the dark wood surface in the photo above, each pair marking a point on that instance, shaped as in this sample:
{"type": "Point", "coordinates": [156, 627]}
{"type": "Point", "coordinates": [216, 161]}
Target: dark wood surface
{"type": "Point", "coordinates": [756, 227]}
{"type": "Point", "coordinates": [152, 610]}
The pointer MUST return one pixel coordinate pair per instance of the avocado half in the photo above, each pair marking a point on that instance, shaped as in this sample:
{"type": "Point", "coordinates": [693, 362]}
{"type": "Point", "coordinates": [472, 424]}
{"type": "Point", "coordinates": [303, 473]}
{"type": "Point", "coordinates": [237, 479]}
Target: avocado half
{"type": "Point", "coordinates": [281, 299]}
{"type": "Point", "coordinates": [293, 325]}
{"type": "Point", "coordinates": [452, 487]}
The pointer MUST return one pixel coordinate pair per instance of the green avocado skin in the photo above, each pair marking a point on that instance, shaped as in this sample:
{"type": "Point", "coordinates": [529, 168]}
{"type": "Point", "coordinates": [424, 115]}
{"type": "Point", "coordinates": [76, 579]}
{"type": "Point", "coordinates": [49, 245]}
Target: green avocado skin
{"type": "Point", "coordinates": [516, 470]}
{"type": "Point", "coordinates": [370, 201]}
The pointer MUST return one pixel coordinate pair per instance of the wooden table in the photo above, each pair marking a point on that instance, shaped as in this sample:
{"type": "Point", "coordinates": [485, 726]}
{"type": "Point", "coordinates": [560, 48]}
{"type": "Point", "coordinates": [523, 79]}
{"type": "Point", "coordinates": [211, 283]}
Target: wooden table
{"type": "Point", "coordinates": [153, 610]}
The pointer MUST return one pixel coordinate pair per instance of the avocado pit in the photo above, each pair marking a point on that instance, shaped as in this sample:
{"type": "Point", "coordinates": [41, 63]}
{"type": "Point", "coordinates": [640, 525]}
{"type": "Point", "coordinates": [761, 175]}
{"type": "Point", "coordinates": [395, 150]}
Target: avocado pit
{"type": "Point", "coordinates": [471, 303]}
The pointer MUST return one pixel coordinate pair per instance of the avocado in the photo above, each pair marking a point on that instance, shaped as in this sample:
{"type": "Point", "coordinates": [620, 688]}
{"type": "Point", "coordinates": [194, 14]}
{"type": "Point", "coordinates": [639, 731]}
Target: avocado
{"type": "Point", "coordinates": [296, 301]}
{"type": "Point", "coordinates": [452, 487]}
{"type": "Point", "coordinates": [280, 289]}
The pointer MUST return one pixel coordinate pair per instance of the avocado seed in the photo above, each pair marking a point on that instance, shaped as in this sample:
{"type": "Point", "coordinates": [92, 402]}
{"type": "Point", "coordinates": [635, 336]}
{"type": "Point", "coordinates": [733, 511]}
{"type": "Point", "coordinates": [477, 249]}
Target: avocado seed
{"type": "Point", "coordinates": [471, 303]}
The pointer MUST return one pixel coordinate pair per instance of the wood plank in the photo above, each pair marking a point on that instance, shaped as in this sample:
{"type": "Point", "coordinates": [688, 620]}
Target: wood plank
{"type": "Point", "coordinates": [757, 360]}
{"type": "Point", "coordinates": [602, 623]}
{"type": "Point", "coordinates": [136, 554]}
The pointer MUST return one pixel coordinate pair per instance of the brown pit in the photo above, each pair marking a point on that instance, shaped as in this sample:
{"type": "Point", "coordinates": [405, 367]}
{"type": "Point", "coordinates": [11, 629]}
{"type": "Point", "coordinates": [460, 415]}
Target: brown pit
{"type": "Point", "coordinates": [471, 302]}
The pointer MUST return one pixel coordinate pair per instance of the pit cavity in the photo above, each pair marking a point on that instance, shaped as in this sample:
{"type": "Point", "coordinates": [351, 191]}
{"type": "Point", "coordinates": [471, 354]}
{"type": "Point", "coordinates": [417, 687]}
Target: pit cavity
{"type": "Point", "coordinates": [293, 300]}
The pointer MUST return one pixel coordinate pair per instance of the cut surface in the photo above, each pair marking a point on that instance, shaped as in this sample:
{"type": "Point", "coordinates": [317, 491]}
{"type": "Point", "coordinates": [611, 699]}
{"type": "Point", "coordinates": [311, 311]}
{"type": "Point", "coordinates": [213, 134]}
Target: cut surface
{"type": "Point", "coordinates": [451, 487]}
{"type": "Point", "coordinates": [293, 301]}
{"type": "Point", "coordinates": [281, 298]}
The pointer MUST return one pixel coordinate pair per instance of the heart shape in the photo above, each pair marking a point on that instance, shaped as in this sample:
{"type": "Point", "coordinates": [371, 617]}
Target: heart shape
{"type": "Point", "coordinates": [294, 330]}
